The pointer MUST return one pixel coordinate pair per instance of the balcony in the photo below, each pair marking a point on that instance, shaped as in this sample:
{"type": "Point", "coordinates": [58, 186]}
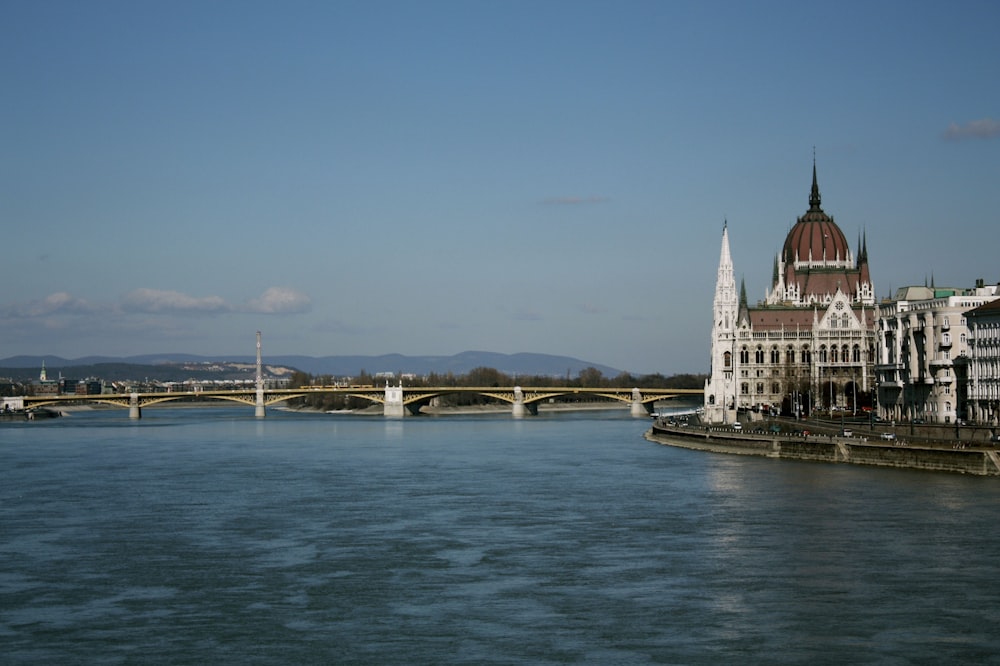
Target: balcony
{"type": "Point", "coordinates": [945, 340]}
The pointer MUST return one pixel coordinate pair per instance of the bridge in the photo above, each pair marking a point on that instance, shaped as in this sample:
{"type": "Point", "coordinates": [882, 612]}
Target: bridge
{"type": "Point", "coordinates": [397, 401]}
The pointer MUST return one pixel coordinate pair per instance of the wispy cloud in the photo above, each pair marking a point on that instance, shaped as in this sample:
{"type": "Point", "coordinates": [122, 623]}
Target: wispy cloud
{"type": "Point", "coordinates": [574, 201]}
{"type": "Point", "coordinates": [58, 303]}
{"type": "Point", "coordinates": [279, 300]}
{"type": "Point", "coordinates": [145, 301]}
{"type": "Point", "coordinates": [987, 128]}
{"type": "Point", "coordinates": [155, 301]}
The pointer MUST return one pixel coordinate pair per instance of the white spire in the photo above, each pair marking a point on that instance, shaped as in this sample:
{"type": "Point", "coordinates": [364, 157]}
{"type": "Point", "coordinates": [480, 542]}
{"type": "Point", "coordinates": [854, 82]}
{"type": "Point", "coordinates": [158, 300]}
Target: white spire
{"type": "Point", "coordinates": [726, 302]}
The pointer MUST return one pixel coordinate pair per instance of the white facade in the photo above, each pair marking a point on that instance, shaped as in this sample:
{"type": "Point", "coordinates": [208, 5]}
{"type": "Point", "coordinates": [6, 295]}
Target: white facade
{"type": "Point", "coordinates": [720, 387]}
{"type": "Point", "coordinates": [982, 399]}
{"type": "Point", "coordinates": [923, 352]}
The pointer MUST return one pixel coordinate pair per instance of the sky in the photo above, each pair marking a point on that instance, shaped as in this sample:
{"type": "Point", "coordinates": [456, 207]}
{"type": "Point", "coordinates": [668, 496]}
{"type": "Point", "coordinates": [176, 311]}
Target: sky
{"type": "Point", "coordinates": [428, 178]}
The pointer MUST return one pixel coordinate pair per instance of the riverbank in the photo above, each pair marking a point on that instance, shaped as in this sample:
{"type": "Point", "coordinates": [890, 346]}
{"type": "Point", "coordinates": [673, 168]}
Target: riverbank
{"type": "Point", "coordinates": [979, 461]}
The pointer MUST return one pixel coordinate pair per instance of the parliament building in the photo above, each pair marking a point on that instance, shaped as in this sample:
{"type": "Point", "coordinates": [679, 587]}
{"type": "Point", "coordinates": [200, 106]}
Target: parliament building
{"type": "Point", "coordinates": [810, 344]}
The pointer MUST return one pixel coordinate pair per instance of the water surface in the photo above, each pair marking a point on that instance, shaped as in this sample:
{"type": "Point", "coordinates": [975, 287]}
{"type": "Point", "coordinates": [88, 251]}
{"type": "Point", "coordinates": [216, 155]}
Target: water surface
{"type": "Point", "coordinates": [208, 536]}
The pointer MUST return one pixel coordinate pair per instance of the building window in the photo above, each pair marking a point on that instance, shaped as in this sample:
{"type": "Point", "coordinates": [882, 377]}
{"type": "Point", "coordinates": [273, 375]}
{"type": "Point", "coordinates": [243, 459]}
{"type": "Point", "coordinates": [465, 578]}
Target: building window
{"type": "Point", "coordinates": [822, 354]}
{"type": "Point", "coordinates": [775, 388]}
{"type": "Point", "coordinates": [744, 388]}
{"type": "Point", "coordinates": [790, 356]}
{"type": "Point", "coordinates": [775, 355]}
{"type": "Point", "coordinates": [856, 354]}
{"type": "Point", "coordinates": [744, 355]}
{"type": "Point", "coordinates": [833, 355]}
{"type": "Point", "coordinates": [760, 388]}
{"type": "Point", "coordinates": [758, 356]}
{"type": "Point", "coordinates": [727, 360]}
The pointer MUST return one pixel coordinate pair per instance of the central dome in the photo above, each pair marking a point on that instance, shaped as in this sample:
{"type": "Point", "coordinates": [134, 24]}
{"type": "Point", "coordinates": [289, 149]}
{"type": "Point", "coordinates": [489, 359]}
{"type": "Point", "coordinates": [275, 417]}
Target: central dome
{"type": "Point", "coordinates": [816, 238]}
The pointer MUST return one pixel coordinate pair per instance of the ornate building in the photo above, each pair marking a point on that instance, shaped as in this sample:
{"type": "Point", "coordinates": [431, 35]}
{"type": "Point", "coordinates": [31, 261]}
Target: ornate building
{"type": "Point", "coordinates": [923, 352]}
{"type": "Point", "coordinates": [982, 399]}
{"type": "Point", "coordinates": [810, 344]}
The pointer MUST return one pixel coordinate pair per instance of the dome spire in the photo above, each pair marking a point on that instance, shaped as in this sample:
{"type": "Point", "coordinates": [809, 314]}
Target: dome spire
{"type": "Point", "coordinates": [814, 194]}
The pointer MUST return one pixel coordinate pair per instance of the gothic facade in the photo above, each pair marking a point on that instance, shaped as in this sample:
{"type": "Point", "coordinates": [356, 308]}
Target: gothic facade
{"type": "Point", "coordinates": [810, 344]}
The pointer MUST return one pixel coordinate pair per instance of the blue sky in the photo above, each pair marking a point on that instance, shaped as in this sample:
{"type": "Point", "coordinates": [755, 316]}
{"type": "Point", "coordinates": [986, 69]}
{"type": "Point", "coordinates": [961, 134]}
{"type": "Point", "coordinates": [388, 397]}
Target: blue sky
{"type": "Point", "coordinates": [435, 177]}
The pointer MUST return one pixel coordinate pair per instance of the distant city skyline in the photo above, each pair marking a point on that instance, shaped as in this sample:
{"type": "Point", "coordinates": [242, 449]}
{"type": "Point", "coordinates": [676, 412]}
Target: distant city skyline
{"type": "Point", "coordinates": [433, 178]}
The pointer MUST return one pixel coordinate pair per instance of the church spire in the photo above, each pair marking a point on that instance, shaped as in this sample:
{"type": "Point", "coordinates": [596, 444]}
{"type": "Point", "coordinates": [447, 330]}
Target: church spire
{"type": "Point", "coordinates": [814, 198]}
{"type": "Point", "coordinates": [725, 303]}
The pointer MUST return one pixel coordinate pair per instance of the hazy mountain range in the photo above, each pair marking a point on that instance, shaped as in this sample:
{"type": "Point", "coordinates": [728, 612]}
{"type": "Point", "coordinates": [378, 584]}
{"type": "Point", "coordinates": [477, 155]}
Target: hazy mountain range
{"type": "Point", "coordinates": [512, 364]}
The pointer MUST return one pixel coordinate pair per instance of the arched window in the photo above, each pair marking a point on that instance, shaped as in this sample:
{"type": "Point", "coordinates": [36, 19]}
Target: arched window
{"type": "Point", "coordinates": [744, 356]}
{"type": "Point", "coordinates": [727, 360]}
{"type": "Point", "coordinates": [744, 388]}
{"type": "Point", "coordinates": [758, 355]}
{"type": "Point", "coordinates": [760, 388]}
{"type": "Point", "coordinates": [775, 355]}
{"type": "Point", "coordinates": [833, 354]}
{"type": "Point", "coordinates": [843, 354]}
{"type": "Point", "coordinates": [856, 354]}
{"type": "Point", "coordinates": [807, 356]}
{"type": "Point", "coordinates": [790, 355]}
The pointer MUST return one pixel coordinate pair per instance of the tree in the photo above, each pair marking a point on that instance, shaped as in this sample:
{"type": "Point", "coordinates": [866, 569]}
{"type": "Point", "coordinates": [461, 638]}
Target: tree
{"type": "Point", "coordinates": [590, 378]}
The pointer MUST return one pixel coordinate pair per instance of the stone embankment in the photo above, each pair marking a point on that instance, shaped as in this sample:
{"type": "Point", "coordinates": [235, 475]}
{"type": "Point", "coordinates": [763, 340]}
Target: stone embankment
{"type": "Point", "coordinates": [939, 457]}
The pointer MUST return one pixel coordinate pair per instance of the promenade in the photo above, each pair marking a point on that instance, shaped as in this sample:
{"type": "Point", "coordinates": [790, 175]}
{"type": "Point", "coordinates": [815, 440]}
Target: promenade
{"type": "Point", "coordinates": [824, 442]}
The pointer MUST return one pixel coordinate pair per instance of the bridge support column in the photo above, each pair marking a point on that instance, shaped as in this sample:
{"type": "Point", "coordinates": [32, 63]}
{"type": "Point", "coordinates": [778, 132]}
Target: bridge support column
{"type": "Point", "coordinates": [134, 410]}
{"type": "Point", "coordinates": [259, 410]}
{"type": "Point", "coordinates": [638, 408]}
{"type": "Point", "coordinates": [393, 406]}
{"type": "Point", "coordinates": [519, 410]}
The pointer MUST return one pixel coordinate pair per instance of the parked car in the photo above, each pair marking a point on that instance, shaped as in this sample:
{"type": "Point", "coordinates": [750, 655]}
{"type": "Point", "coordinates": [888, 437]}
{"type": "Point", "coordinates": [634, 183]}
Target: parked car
{"type": "Point", "coordinates": [888, 436]}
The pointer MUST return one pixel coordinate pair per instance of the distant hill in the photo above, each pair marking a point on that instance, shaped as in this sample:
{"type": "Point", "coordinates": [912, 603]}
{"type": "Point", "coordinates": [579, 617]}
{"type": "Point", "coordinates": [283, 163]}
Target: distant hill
{"type": "Point", "coordinates": [511, 364]}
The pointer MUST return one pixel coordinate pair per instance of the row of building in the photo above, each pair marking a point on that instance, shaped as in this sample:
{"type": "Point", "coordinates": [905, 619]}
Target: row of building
{"type": "Point", "coordinates": [821, 341]}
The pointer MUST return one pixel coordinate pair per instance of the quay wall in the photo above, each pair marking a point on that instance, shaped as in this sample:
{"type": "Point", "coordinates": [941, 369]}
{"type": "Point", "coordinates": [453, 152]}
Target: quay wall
{"type": "Point", "coordinates": [831, 449]}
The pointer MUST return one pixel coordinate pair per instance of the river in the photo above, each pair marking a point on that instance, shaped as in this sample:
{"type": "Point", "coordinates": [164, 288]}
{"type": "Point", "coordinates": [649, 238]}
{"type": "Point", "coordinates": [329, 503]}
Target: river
{"type": "Point", "coordinates": [209, 536]}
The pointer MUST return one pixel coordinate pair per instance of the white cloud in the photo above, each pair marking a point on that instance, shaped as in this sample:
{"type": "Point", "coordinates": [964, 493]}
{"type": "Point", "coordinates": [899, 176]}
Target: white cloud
{"type": "Point", "coordinates": [279, 300]}
{"type": "Point", "coordinates": [60, 302]}
{"type": "Point", "coordinates": [987, 128]}
{"type": "Point", "coordinates": [156, 301]}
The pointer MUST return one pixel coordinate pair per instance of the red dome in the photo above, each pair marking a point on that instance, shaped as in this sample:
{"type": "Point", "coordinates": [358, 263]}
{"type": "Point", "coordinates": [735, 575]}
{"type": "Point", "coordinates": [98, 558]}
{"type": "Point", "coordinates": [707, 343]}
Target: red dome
{"type": "Point", "coordinates": [815, 236]}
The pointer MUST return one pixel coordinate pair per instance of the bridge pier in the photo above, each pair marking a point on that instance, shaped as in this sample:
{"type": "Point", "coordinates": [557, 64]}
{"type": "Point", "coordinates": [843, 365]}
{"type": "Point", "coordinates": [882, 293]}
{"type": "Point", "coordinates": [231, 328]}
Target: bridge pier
{"type": "Point", "coordinates": [259, 411]}
{"type": "Point", "coordinates": [638, 408]}
{"type": "Point", "coordinates": [519, 410]}
{"type": "Point", "coordinates": [134, 410]}
{"type": "Point", "coordinates": [393, 405]}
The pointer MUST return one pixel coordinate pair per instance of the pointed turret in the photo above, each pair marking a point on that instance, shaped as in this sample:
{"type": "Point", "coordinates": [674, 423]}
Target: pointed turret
{"type": "Point", "coordinates": [814, 198]}
{"type": "Point", "coordinates": [720, 390]}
